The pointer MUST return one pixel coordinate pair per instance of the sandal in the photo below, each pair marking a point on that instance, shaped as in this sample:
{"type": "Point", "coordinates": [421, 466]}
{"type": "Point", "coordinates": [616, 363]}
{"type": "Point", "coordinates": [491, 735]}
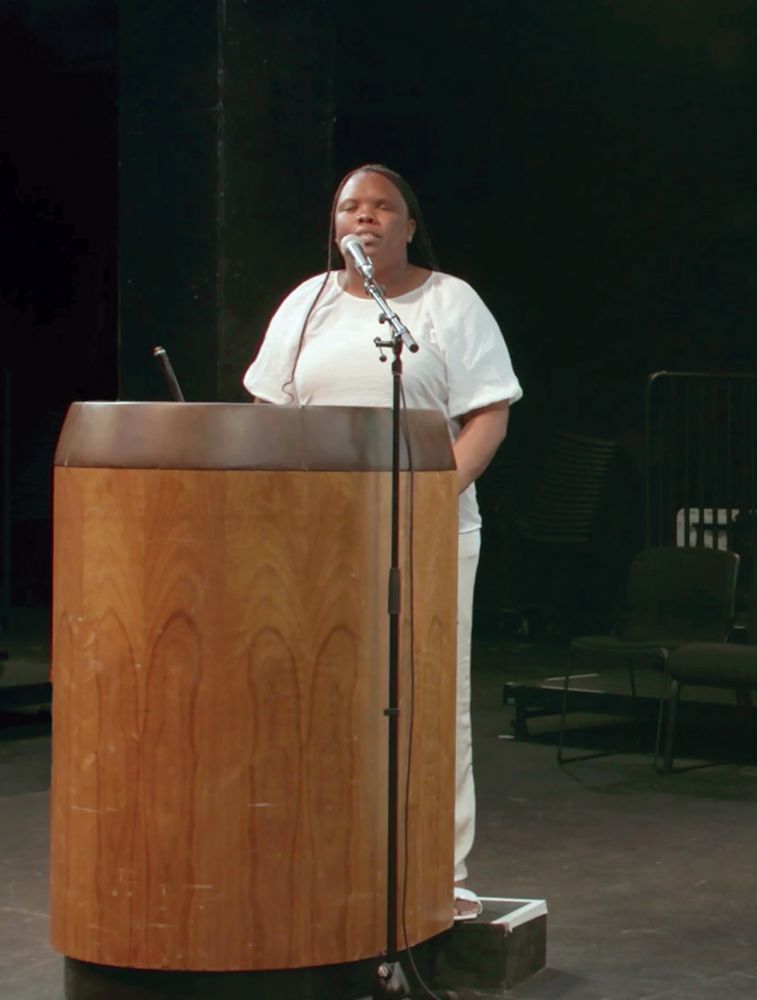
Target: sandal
{"type": "Point", "coordinates": [468, 896]}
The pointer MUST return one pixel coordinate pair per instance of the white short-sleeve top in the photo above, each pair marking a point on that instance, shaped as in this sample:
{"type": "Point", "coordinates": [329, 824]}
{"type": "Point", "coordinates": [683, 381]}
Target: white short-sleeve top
{"type": "Point", "coordinates": [462, 363]}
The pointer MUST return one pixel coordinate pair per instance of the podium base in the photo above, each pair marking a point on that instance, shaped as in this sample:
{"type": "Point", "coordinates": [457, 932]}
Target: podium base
{"type": "Point", "coordinates": [89, 981]}
{"type": "Point", "coordinates": [506, 944]}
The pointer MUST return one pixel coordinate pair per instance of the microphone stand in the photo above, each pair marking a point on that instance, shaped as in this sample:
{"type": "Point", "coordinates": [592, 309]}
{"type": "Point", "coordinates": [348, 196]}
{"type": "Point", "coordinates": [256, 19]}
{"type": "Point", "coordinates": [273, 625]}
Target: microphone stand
{"type": "Point", "coordinates": [390, 981]}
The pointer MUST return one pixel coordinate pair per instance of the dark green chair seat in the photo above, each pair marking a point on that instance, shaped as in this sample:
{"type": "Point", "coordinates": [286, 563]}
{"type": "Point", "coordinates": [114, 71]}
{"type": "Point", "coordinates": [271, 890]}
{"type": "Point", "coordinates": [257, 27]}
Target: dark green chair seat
{"type": "Point", "coordinates": [726, 665]}
{"type": "Point", "coordinates": [710, 664]}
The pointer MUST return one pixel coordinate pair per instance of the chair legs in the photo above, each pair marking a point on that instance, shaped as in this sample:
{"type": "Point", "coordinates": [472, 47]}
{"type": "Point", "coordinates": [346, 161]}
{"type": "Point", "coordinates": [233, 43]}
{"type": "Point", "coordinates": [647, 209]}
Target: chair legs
{"type": "Point", "coordinates": [670, 694]}
{"type": "Point", "coordinates": [669, 698]}
{"type": "Point", "coordinates": [564, 712]}
{"type": "Point", "coordinates": [744, 699]}
{"type": "Point", "coordinates": [561, 758]}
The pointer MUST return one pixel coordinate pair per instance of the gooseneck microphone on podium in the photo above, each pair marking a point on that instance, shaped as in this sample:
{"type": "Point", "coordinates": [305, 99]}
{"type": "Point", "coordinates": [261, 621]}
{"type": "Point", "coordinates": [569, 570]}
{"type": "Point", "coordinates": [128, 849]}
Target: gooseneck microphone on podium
{"type": "Point", "coordinates": [160, 355]}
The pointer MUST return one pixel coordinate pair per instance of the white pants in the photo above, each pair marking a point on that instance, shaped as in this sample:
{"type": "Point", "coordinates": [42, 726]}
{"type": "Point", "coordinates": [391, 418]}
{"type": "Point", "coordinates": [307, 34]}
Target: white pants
{"type": "Point", "coordinates": [469, 545]}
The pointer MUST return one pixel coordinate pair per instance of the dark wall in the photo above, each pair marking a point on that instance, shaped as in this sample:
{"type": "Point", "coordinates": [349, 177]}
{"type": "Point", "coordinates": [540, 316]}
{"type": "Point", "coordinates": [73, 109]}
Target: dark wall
{"type": "Point", "coordinates": [59, 220]}
{"type": "Point", "coordinates": [591, 167]}
{"type": "Point", "coordinates": [58, 283]}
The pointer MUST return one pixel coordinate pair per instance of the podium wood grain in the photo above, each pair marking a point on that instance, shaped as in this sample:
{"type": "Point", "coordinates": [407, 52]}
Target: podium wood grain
{"type": "Point", "coordinates": [219, 744]}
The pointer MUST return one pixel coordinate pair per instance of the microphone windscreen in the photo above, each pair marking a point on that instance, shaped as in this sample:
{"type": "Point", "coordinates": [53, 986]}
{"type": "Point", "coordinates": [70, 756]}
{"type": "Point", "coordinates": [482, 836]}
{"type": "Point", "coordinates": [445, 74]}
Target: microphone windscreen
{"type": "Point", "coordinates": [349, 241]}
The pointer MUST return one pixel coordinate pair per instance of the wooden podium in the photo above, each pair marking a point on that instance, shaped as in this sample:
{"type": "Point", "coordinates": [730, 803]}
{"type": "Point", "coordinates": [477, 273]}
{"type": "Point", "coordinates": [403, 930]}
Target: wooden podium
{"type": "Point", "coordinates": [220, 662]}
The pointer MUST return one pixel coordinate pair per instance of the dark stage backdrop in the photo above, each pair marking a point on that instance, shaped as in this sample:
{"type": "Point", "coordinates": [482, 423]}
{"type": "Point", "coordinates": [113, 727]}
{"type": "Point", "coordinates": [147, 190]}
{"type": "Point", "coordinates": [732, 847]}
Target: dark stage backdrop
{"type": "Point", "coordinates": [589, 165]}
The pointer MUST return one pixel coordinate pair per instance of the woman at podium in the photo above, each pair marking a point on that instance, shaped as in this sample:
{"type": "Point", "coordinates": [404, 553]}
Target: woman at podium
{"type": "Point", "coordinates": [319, 350]}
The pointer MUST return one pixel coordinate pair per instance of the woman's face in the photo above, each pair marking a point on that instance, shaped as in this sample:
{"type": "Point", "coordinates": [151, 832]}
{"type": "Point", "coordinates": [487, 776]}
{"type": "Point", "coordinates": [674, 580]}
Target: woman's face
{"type": "Point", "coordinates": [373, 208]}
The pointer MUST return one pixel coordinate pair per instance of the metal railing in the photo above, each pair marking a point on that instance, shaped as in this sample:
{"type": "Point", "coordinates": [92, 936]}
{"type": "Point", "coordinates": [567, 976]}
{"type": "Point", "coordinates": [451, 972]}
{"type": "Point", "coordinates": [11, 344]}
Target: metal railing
{"type": "Point", "coordinates": [701, 461]}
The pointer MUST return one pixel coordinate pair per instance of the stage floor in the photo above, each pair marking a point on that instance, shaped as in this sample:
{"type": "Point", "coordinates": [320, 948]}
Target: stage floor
{"type": "Point", "coordinates": [649, 880]}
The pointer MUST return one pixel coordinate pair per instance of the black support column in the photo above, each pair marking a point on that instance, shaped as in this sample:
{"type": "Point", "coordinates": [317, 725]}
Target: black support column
{"type": "Point", "coordinates": [226, 123]}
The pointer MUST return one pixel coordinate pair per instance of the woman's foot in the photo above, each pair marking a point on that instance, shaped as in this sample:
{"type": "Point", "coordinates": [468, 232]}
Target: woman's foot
{"type": "Point", "coordinates": [467, 904]}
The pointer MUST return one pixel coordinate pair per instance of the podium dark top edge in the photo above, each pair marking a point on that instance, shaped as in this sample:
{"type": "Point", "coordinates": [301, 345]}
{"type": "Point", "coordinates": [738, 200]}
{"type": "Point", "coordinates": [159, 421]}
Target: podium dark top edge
{"type": "Point", "coordinates": [235, 436]}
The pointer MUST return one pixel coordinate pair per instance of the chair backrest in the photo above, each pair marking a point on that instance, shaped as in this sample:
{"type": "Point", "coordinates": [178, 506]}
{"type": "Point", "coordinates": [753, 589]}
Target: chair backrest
{"type": "Point", "coordinates": [569, 490]}
{"type": "Point", "coordinates": [685, 594]}
{"type": "Point", "coordinates": [751, 612]}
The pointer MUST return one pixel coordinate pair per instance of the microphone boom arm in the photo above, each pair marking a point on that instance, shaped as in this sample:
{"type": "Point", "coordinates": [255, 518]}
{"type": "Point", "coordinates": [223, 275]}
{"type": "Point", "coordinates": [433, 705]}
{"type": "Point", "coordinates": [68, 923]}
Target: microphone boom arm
{"type": "Point", "coordinates": [352, 246]}
{"type": "Point", "coordinates": [388, 315]}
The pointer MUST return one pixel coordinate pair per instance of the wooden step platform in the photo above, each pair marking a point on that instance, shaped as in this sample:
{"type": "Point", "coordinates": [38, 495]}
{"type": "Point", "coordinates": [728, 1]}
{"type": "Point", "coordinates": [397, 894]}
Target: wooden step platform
{"type": "Point", "coordinates": [506, 944]}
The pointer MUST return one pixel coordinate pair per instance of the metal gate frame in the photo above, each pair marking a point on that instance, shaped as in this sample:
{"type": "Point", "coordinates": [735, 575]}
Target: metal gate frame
{"type": "Point", "coordinates": [701, 461]}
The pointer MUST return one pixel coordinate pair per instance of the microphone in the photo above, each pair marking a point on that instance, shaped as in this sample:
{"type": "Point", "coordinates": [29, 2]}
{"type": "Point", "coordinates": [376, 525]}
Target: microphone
{"type": "Point", "coordinates": [350, 244]}
{"type": "Point", "coordinates": [160, 355]}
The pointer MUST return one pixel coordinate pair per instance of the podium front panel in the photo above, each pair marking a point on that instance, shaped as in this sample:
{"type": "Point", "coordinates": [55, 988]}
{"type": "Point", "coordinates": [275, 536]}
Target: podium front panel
{"type": "Point", "coordinates": [220, 664]}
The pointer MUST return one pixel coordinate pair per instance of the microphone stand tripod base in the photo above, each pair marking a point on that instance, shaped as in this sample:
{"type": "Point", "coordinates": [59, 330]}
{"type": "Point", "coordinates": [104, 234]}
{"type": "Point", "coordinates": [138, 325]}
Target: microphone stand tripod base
{"type": "Point", "coordinates": [390, 982]}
